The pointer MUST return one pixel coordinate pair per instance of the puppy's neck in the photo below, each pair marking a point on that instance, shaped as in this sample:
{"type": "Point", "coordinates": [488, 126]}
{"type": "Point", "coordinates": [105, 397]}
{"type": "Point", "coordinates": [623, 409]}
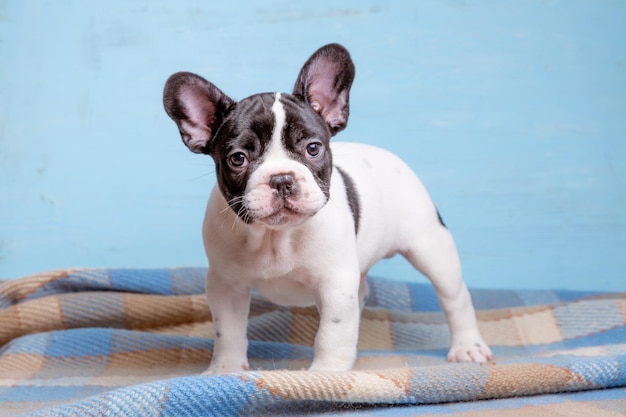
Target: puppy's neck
{"type": "Point", "coordinates": [276, 241]}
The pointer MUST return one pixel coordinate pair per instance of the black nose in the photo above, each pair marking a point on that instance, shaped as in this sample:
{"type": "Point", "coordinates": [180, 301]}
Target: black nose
{"type": "Point", "coordinates": [284, 184]}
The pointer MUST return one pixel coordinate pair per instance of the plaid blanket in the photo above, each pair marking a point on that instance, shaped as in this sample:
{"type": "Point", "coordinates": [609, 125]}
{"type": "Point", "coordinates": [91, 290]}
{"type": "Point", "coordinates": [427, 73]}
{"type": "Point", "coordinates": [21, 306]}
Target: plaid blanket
{"type": "Point", "coordinates": [102, 342]}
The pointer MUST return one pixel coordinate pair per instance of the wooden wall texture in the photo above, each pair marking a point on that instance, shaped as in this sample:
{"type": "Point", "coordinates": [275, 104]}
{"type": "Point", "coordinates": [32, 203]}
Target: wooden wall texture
{"type": "Point", "coordinates": [513, 113]}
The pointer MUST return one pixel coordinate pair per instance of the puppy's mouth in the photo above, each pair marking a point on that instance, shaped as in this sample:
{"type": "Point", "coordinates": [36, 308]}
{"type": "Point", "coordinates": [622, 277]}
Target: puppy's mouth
{"type": "Point", "coordinates": [281, 201]}
{"type": "Point", "coordinates": [285, 212]}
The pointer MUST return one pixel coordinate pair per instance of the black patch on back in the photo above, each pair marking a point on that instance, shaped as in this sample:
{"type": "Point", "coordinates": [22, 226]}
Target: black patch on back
{"type": "Point", "coordinates": [353, 198]}
{"type": "Point", "coordinates": [441, 220]}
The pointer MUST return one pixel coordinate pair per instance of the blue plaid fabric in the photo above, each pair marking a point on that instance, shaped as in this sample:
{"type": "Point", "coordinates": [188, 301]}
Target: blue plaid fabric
{"type": "Point", "coordinates": [134, 342]}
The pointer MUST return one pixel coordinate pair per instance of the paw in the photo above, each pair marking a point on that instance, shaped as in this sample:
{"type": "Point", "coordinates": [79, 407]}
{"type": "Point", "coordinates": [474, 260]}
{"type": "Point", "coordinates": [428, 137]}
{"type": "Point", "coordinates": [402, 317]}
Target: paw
{"type": "Point", "coordinates": [227, 367]}
{"type": "Point", "coordinates": [470, 351]}
{"type": "Point", "coordinates": [338, 366]}
{"type": "Point", "coordinates": [340, 360]}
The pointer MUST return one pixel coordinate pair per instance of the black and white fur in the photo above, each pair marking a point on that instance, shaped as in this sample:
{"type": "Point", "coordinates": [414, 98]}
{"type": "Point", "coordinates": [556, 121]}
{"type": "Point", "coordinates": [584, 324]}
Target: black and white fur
{"type": "Point", "coordinates": [302, 220]}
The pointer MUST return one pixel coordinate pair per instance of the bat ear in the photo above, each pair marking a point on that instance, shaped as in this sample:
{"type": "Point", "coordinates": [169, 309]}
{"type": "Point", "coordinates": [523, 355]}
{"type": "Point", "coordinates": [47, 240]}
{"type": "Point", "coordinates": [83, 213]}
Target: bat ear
{"type": "Point", "coordinates": [324, 83]}
{"type": "Point", "coordinates": [197, 107]}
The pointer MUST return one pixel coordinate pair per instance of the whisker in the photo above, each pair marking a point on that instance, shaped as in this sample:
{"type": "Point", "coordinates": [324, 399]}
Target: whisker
{"type": "Point", "coordinates": [231, 206]}
{"type": "Point", "coordinates": [243, 213]}
{"type": "Point", "coordinates": [206, 174]}
{"type": "Point", "coordinates": [234, 225]}
{"type": "Point", "coordinates": [210, 172]}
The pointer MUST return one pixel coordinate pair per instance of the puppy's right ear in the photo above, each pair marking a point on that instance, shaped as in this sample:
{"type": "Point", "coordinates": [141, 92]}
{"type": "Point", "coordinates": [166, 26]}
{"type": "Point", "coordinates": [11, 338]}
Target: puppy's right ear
{"type": "Point", "coordinates": [197, 107]}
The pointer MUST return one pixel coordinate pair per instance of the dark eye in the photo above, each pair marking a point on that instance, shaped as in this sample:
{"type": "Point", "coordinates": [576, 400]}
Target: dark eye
{"type": "Point", "coordinates": [238, 160]}
{"type": "Point", "coordinates": [313, 149]}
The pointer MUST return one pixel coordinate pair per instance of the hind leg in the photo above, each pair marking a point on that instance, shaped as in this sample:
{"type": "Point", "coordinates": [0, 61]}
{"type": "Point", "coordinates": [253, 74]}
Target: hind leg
{"type": "Point", "coordinates": [434, 254]}
{"type": "Point", "coordinates": [364, 291]}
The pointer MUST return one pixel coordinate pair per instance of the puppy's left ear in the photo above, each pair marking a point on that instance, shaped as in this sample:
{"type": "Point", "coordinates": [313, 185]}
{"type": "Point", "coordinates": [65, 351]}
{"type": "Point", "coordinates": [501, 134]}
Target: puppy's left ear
{"type": "Point", "coordinates": [324, 83]}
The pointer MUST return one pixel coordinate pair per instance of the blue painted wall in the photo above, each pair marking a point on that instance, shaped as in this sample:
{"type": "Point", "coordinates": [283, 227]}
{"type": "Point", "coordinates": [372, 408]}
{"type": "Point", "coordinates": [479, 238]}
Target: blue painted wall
{"type": "Point", "coordinates": [513, 114]}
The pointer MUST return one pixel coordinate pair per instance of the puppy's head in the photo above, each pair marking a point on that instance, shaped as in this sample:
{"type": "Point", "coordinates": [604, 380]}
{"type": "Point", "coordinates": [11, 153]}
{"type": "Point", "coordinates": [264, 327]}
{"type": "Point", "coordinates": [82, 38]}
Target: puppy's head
{"type": "Point", "coordinates": [271, 150]}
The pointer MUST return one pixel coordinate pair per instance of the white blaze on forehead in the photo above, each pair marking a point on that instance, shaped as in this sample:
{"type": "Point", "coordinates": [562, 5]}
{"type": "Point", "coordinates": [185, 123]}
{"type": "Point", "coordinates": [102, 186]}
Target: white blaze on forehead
{"type": "Point", "coordinates": [275, 148]}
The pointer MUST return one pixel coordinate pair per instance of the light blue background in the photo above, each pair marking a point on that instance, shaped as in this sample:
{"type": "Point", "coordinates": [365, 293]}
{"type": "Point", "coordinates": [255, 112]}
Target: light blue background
{"type": "Point", "coordinates": [513, 113]}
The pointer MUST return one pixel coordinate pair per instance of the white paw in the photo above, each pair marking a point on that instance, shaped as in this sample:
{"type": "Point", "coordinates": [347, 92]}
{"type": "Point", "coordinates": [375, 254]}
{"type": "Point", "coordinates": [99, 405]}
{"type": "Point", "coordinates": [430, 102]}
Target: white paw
{"type": "Point", "coordinates": [341, 360]}
{"type": "Point", "coordinates": [226, 367]}
{"type": "Point", "coordinates": [474, 351]}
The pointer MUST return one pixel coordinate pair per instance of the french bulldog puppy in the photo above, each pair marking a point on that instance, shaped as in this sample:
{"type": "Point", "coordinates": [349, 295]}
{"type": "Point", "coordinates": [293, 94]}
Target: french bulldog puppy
{"type": "Point", "coordinates": [302, 220]}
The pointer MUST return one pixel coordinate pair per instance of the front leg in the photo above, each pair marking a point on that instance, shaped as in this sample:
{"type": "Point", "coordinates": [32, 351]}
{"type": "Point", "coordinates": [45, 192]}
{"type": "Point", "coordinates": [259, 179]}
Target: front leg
{"type": "Point", "coordinates": [338, 332]}
{"type": "Point", "coordinates": [230, 306]}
